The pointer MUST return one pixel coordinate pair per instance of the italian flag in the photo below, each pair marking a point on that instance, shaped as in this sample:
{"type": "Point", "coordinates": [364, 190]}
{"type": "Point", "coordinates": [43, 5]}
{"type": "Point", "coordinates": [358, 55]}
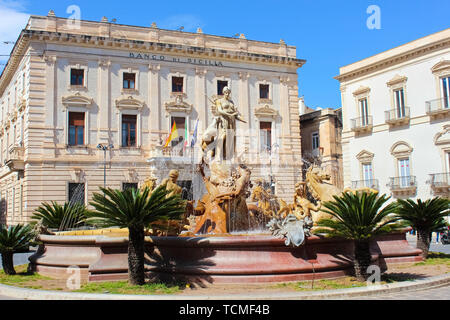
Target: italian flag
{"type": "Point", "coordinates": [186, 135]}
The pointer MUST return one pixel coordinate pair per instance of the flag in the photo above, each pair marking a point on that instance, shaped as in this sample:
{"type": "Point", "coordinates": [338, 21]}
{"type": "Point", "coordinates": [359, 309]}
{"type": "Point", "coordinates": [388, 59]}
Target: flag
{"type": "Point", "coordinates": [186, 135]}
{"type": "Point", "coordinates": [173, 134]}
{"type": "Point", "coordinates": [194, 136]}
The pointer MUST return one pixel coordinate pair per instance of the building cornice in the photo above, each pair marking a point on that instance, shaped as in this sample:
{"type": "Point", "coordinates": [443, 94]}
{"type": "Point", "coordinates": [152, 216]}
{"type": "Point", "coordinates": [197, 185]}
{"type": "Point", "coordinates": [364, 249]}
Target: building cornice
{"type": "Point", "coordinates": [410, 52]}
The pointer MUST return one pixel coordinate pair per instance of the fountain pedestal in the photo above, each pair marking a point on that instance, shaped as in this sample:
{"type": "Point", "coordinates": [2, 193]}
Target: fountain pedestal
{"type": "Point", "coordinates": [227, 259]}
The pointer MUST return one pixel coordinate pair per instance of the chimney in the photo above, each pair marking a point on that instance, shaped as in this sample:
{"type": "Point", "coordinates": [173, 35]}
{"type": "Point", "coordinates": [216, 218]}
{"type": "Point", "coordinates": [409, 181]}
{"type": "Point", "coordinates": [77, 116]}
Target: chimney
{"type": "Point", "coordinates": [301, 106]}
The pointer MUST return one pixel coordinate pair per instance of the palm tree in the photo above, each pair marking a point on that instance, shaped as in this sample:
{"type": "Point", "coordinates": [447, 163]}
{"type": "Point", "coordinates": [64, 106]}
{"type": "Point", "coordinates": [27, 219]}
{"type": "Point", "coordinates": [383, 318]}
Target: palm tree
{"type": "Point", "coordinates": [134, 209]}
{"type": "Point", "coordinates": [425, 217]}
{"type": "Point", "coordinates": [359, 217]}
{"type": "Point", "coordinates": [14, 239]}
{"type": "Point", "coordinates": [61, 217]}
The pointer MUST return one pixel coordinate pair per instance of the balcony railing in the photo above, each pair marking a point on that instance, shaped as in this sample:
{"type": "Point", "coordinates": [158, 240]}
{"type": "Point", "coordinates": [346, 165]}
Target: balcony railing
{"type": "Point", "coordinates": [397, 116]}
{"type": "Point", "coordinates": [406, 183]}
{"type": "Point", "coordinates": [440, 182]}
{"type": "Point", "coordinates": [438, 106]}
{"type": "Point", "coordinates": [372, 183]}
{"type": "Point", "coordinates": [361, 124]}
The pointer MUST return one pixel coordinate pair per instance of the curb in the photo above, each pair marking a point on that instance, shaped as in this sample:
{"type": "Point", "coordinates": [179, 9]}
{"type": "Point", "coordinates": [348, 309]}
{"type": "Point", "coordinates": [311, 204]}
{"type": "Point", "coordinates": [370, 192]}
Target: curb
{"type": "Point", "coordinates": [433, 282]}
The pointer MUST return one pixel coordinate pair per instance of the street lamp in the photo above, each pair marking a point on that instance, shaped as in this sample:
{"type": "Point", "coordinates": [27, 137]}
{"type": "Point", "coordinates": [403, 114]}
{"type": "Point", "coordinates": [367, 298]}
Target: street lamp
{"type": "Point", "coordinates": [104, 148]}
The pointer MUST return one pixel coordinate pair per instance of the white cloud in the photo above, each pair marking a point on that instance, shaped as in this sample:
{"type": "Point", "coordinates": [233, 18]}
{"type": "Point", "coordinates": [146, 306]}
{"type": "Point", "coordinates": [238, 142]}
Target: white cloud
{"type": "Point", "coordinates": [188, 21]}
{"type": "Point", "coordinates": [12, 20]}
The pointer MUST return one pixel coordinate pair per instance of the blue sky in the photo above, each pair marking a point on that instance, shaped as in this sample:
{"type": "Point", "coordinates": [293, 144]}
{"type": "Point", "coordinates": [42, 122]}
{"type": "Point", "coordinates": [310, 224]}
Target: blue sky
{"type": "Point", "coordinates": [328, 34]}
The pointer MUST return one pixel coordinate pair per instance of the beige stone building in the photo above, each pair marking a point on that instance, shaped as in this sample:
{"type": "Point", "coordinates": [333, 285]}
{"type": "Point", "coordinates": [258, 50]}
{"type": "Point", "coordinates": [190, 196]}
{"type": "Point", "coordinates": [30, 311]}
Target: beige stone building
{"type": "Point", "coordinates": [71, 87]}
{"type": "Point", "coordinates": [321, 131]}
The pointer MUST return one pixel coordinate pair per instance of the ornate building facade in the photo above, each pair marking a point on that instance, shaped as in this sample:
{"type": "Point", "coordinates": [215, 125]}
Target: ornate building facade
{"type": "Point", "coordinates": [396, 119]}
{"type": "Point", "coordinates": [88, 104]}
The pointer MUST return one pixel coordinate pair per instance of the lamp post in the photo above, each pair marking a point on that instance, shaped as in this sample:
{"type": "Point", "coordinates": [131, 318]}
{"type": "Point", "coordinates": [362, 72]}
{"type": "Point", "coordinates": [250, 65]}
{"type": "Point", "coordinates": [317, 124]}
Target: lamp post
{"type": "Point", "coordinates": [104, 148]}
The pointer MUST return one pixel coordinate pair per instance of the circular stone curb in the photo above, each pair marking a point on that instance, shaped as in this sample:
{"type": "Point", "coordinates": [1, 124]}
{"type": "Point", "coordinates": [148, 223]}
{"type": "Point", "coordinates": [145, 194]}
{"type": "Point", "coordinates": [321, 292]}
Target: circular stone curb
{"type": "Point", "coordinates": [433, 282]}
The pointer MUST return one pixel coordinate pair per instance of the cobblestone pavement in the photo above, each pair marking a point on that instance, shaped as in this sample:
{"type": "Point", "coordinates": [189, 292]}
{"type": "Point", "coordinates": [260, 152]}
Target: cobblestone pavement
{"type": "Point", "coordinates": [442, 293]}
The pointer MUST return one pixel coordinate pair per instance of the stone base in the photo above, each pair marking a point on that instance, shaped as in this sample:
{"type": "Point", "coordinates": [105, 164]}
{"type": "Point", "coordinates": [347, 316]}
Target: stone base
{"type": "Point", "coordinates": [228, 259]}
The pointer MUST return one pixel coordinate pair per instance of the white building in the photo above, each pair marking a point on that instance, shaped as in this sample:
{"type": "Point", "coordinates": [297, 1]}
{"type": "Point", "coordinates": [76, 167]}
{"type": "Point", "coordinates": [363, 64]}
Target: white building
{"type": "Point", "coordinates": [396, 119]}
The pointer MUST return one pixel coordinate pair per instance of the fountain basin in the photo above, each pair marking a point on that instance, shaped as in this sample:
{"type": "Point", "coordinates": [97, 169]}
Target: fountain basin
{"type": "Point", "coordinates": [231, 259]}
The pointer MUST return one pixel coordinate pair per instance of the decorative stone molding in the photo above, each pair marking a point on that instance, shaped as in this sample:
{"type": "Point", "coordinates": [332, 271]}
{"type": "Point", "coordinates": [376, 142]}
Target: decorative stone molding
{"type": "Point", "coordinates": [129, 102]}
{"type": "Point", "coordinates": [266, 112]}
{"type": "Point", "coordinates": [443, 137]}
{"type": "Point", "coordinates": [77, 175]}
{"type": "Point", "coordinates": [361, 90]}
{"type": "Point", "coordinates": [365, 156]}
{"type": "Point", "coordinates": [21, 105]}
{"type": "Point", "coordinates": [401, 149]}
{"type": "Point", "coordinates": [50, 60]}
{"type": "Point", "coordinates": [441, 68]}
{"type": "Point", "coordinates": [397, 80]}
{"type": "Point", "coordinates": [178, 106]}
{"type": "Point", "coordinates": [77, 100]}
{"type": "Point", "coordinates": [104, 64]}
{"type": "Point", "coordinates": [131, 175]}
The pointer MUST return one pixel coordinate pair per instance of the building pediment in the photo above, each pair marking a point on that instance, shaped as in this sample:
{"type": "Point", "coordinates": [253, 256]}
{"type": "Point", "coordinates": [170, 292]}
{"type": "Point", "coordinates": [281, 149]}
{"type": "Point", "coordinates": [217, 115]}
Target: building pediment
{"type": "Point", "coordinates": [266, 111]}
{"type": "Point", "coordinates": [397, 80]}
{"type": "Point", "coordinates": [178, 105]}
{"type": "Point", "coordinates": [361, 90]}
{"type": "Point", "coordinates": [443, 137]}
{"type": "Point", "coordinates": [129, 102]}
{"type": "Point", "coordinates": [401, 149]}
{"type": "Point", "coordinates": [77, 100]}
{"type": "Point", "coordinates": [441, 66]}
{"type": "Point", "coordinates": [365, 156]}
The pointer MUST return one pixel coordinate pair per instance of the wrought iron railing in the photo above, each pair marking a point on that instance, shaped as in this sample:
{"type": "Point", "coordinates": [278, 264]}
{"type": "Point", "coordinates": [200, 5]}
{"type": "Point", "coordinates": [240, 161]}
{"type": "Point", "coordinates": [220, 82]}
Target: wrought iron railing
{"type": "Point", "coordinates": [371, 183]}
{"type": "Point", "coordinates": [397, 114]}
{"type": "Point", "coordinates": [361, 122]}
{"type": "Point", "coordinates": [438, 105]}
{"type": "Point", "coordinates": [440, 179]}
{"type": "Point", "coordinates": [405, 182]}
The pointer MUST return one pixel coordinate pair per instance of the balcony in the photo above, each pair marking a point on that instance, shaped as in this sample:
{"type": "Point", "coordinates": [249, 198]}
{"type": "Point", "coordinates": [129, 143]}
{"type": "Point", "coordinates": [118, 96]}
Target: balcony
{"type": "Point", "coordinates": [438, 108]}
{"type": "Point", "coordinates": [406, 185]}
{"type": "Point", "coordinates": [15, 158]}
{"type": "Point", "coordinates": [397, 117]}
{"type": "Point", "coordinates": [362, 124]}
{"type": "Point", "coordinates": [372, 183]}
{"type": "Point", "coordinates": [440, 183]}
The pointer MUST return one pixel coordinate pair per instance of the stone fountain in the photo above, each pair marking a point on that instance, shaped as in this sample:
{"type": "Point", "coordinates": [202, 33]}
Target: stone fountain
{"type": "Point", "coordinates": [225, 240]}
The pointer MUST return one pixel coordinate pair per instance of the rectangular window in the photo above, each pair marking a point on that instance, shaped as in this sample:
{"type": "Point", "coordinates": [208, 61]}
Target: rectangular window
{"type": "Point", "coordinates": [129, 185]}
{"type": "Point", "coordinates": [265, 133]}
{"type": "Point", "coordinates": [404, 172]}
{"type": "Point", "coordinates": [264, 91]}
{"type": "Point", "coordinates": [364, 112]}
{"type": "Point", "coordinates": [129, 80]}
{"type": "Point", "coordinates": [446, 91]}
{"type": "Point", "coordinates": [181, 125]}
{"type": "Point", "coordinates": [399, 103]}
{"type": "Point", "coordinates": [315, 140]}
{"type": "Point", "coordinates": [77, 77]}
{"type": "Point", "coordinates": [368, 174]}
{"type": "Point", "coordinates": [177, 84]}
{"type": "Point", "coordinates": [76, 193]}
{"type": "Point", "coordinates": [129, 130]}
{"type": "Point", "coordinates": [76, 128]}
{"type": "Point", "coordinates": [220, 85]}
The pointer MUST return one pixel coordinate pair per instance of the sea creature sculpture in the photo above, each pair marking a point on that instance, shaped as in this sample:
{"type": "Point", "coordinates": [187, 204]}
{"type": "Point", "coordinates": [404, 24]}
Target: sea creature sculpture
{"type": "Point", "coordinates": [291, 228]}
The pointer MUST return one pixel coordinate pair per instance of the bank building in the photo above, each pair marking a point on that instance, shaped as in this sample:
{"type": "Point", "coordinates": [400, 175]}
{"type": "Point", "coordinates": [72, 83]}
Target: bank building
{"type": "Point", "coordinates": [86, 104]}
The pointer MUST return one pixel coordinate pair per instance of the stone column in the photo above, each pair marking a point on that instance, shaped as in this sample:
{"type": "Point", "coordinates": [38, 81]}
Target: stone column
{"type": "Point", "coordinates": [51, 107]}
{"type": "Point", "coordinates": [104, 101]}
{"type": "Point", "coordinates": [154, 103]}
{"type": "Point", "coordinates": [201, 103]}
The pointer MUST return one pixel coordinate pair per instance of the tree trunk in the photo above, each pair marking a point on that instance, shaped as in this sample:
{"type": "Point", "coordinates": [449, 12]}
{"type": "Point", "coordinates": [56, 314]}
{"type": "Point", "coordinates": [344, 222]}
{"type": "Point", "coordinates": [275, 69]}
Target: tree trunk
{"type": "Point", "coordinates": [362, 259]}
{"type": "Point", "coordinates": [136, 271]}
{"type": "Point", "coordinates": [7, 262]}
{"type": "Point", "coordinates": [423, 242]}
